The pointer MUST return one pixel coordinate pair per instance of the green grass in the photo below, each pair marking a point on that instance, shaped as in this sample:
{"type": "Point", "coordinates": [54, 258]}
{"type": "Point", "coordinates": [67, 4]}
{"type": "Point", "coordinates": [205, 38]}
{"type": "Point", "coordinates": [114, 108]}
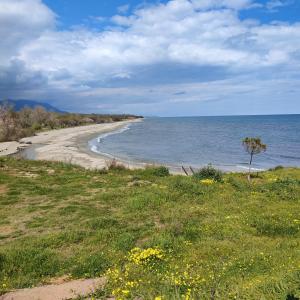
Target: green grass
{"type": "Point", "coordinates": [226, 240]}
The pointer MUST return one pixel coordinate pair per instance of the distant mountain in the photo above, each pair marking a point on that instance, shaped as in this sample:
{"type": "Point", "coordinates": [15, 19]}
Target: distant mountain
{"type": "Point", "coordinates": [19, 104]}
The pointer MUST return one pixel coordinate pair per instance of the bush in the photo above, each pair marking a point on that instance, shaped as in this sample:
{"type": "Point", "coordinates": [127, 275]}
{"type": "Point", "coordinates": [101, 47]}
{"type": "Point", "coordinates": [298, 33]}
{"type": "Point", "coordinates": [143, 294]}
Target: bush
{"type": "Point", "coordinates": [209, 173]}
{"type": "Point", "coordinates": [276, 168]}
{"type": "Point", "coordinates": [115, 165]}
{"type": "Point", "coordinates": [158, 171]}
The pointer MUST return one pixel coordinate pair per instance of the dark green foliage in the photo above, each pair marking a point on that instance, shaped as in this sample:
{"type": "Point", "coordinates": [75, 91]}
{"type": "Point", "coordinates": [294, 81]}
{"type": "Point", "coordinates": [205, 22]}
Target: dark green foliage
{"type": "Point", "coordinates": [160, 171]}
{"type": "Point", "coordinates": [276, 168]}
{"type": "Point", "coordinates": [209, 173]}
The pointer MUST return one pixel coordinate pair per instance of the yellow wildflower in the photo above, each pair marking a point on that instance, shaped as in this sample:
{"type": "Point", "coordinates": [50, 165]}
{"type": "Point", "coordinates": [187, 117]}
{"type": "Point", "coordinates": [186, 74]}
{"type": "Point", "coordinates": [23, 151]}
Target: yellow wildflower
{"type": "Point", "coordinates": [142, 257]}
{"type": "Point", "coordinates": [188, 295]}
{"type": "Point", "coordinates": [207, 181]}
{"type": "Point", "coordinates": [126, 292]}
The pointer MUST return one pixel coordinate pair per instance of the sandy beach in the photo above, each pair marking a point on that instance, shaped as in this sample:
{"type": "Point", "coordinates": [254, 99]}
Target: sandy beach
{"type": "Point", "coordinates": [66, 145]}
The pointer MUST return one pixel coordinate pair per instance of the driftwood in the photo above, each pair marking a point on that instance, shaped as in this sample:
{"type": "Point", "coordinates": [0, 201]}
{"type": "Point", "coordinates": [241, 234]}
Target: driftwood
{"type": "Point", "coordinates": [192, 170]}
{"type": "Point", "coordinates": [185, 171]}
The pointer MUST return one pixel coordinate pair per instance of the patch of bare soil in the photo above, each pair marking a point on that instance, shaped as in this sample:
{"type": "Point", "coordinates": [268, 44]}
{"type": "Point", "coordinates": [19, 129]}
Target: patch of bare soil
{"type": "Point", "coordinates": [3, 189]}
{"type": "Point", "coordinates": [59, 280]}
{"type": "Point", "coordinates": [6, 230]}
{"type": "Point", "coordinates": [66, 290]}
{"type": "Point", "coordinates": [28, 174]}
{"type": "Point", "coordinates": [139, 183]}
{"type": "Point", "coordinates": [18, 173]}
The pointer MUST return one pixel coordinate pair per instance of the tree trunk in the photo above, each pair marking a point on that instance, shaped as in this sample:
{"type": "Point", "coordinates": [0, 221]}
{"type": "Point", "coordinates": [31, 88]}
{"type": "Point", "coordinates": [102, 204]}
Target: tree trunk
{"type": "Point", "coordinates": [249, 173]}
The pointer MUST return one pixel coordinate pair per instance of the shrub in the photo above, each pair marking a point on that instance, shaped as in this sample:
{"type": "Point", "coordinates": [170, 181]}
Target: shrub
{"type": "Point", "coordinates": [36, 127]}
{"type": "Point", "coordinates": [276, 168]}
{"type": "Point", "coordinates": [115, 165]}
{"type": "Point", "coordinates": [161, 171]}
{"type": "Point", "coordinates": [209, 173]}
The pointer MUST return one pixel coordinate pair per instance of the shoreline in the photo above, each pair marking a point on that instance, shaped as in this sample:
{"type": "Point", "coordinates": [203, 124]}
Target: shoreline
{"type": "Point", "coordinates": [69, 145]}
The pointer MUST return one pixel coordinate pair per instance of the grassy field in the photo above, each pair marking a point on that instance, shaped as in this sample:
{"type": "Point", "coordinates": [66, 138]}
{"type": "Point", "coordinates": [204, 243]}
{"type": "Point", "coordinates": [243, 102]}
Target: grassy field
{"type": "Point", "coordinates": [153, 236]}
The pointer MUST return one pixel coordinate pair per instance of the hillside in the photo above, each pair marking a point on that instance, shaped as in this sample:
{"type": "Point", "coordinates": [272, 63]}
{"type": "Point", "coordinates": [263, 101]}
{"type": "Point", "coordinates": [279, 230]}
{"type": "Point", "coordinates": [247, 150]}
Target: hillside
{"type": "Point", "coordinates": [153, 236]}
{"type": "Point", "coordinates": [20, 104]}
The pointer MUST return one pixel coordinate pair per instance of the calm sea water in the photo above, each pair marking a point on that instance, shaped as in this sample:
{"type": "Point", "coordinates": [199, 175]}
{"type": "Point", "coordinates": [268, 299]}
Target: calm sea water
{"type": "Point", "coordinates": [197, 141]}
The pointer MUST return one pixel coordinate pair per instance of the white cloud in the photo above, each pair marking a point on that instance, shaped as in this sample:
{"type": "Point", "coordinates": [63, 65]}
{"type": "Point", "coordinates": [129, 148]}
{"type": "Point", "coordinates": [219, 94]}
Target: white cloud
{"type": "Point", "coordinates": [20, 22]}
{"type": "Point", "coordinates": [196, 33]}
{"type": "Point", "coordinates": [123, 9]}
{"type": "Point", "coordinates": [97, 19]}
{"type": "Point", "coordinates": [234, 4]}
{"type": "Point", "coordinates": [274, 5]}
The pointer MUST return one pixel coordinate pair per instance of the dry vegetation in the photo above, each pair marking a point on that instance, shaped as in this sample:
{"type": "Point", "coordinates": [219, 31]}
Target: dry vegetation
{"type": "Point", "coordinates": [15, 125]}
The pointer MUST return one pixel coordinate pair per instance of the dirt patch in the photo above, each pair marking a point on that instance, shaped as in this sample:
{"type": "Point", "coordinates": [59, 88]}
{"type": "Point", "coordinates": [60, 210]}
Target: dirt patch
{"type": "Point", "coordinates": [18, 173]}
{"type": "Point", "coordinates": [58, 280]}
{"type": "Point", "coordinates": [3, 189]}
{"type": "Point", "coordinates": [139, 183]}
{"type": "Point", "coordinates": [6, 229]}
{"type": "Point", "coordinates": [67, 290]}
{"type": "Point", "coordinates": [28, 174]}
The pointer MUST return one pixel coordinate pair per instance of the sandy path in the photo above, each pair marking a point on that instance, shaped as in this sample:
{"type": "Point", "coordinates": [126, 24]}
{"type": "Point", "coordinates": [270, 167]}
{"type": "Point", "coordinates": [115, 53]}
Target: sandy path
{"type": "Point", "coordinates": [66, 145]}
{"type": "Point", "coordinates": [68, 290]}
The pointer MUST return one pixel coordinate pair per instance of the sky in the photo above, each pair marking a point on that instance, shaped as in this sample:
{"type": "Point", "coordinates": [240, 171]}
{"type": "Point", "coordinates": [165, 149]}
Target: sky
{"type": "Point", "coordinates": [154, 58]}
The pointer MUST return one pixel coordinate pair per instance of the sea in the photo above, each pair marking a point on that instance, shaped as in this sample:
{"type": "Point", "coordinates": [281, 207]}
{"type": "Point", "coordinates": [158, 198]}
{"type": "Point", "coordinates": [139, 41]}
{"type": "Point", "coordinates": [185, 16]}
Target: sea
{"type": "Point", "coordinates": [199, 141]}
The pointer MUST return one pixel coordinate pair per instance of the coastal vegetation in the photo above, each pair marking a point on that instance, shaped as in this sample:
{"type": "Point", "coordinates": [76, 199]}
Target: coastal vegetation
{"type": "Point", "coordinates": [26, 122]}
{"type": "Point", "coordinates": [253, 146]}
{"type": "Point", "coordinates": [209, 172]}
{"type": "Point", "coordinates": [151, 234]}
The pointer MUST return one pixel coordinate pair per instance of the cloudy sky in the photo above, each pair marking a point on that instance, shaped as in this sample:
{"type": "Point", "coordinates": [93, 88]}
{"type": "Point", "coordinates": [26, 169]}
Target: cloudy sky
{"type": "Point", "coordinates": [164, 58]}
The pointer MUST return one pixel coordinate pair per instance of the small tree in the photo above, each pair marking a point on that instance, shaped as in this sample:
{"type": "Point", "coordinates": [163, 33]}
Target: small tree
{"type": "Point", "coordinates": [253, 146]}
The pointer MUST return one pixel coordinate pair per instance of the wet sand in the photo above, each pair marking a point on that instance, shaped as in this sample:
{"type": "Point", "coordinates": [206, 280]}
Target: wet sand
{"type": "Point", "coordinates": [68, 145]}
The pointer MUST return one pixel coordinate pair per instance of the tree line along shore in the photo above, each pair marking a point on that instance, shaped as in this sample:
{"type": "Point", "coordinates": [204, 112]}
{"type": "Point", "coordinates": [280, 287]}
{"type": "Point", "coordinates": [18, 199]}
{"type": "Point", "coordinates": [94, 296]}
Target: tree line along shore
{"type": "Point", "coordinates": [15, 125]}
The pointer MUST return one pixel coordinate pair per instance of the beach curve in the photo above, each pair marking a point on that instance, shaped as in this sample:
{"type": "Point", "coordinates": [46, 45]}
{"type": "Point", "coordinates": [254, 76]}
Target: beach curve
{"type": "Point", "coordinates": [69, 145]}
